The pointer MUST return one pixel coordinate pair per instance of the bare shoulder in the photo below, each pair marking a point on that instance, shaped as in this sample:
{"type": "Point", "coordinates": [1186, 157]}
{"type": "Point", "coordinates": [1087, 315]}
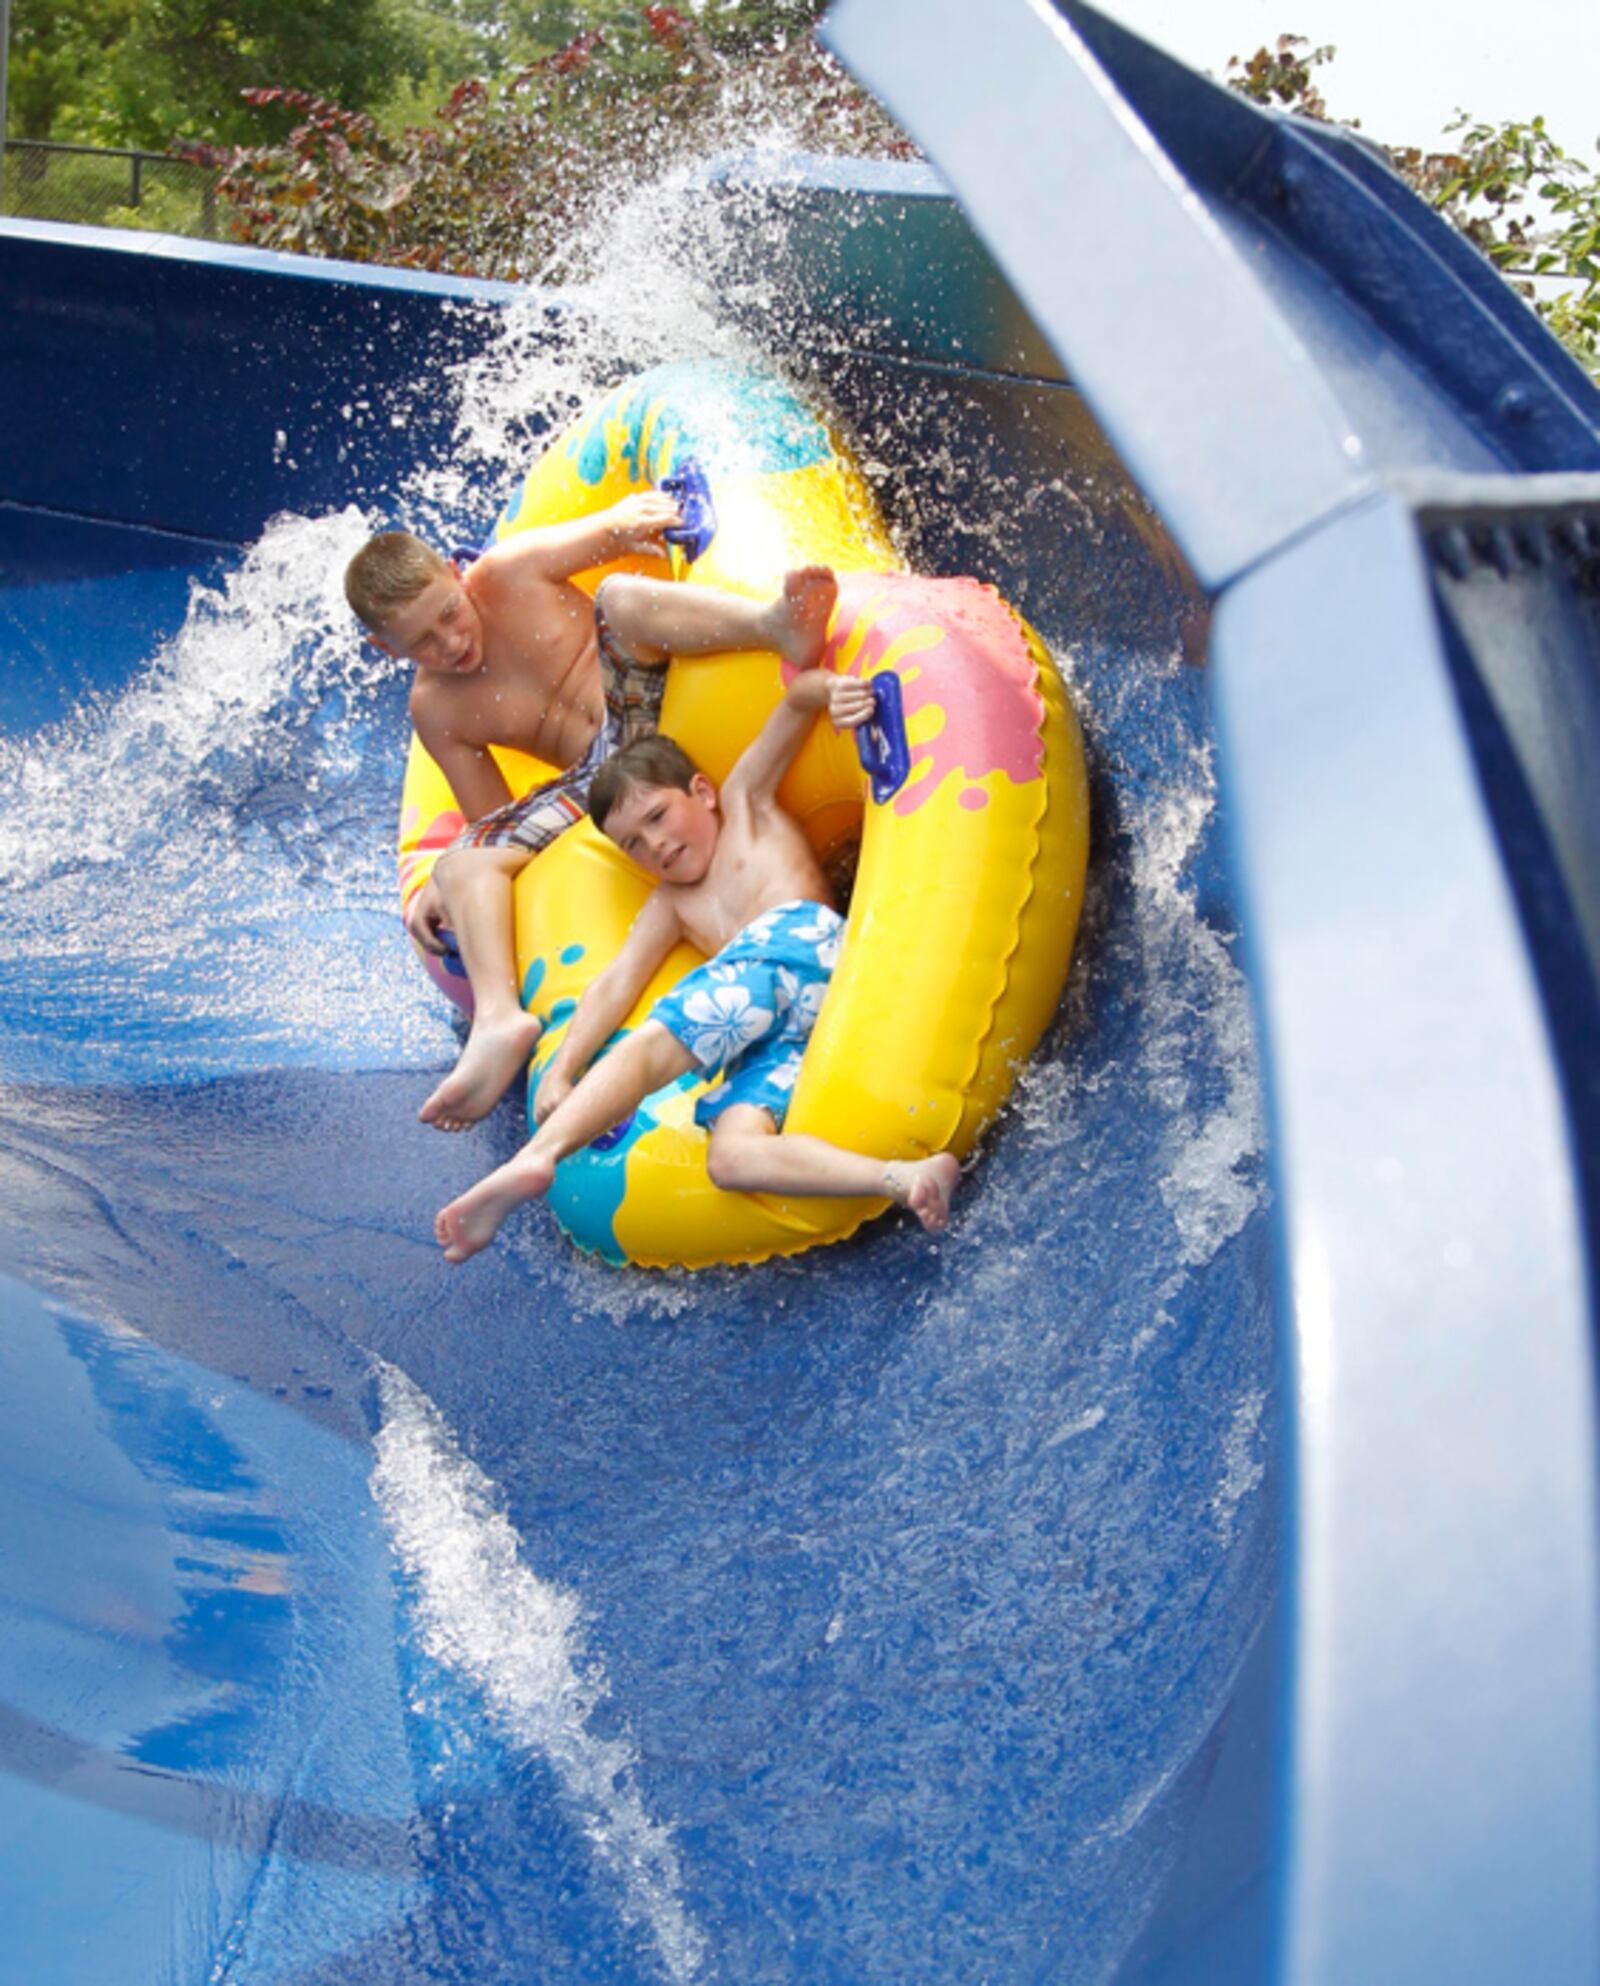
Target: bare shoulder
{"type": "Point", "coordinates": [507, 571]}
{"type": "Point", "coordinates": [524, 611]}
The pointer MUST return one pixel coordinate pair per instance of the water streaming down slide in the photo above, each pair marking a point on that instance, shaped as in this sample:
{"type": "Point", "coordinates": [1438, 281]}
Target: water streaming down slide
{"type": "Point", "coordinates": [833, 1621]}
{"type": "Point", "coordinates": [870, 1616]}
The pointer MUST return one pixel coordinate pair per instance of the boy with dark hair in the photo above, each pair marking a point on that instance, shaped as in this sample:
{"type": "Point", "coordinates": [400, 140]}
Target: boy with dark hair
{"type": "Point", "coordinates": [510, 652]}
{"type": "Point", "coordinates": [737, 878]}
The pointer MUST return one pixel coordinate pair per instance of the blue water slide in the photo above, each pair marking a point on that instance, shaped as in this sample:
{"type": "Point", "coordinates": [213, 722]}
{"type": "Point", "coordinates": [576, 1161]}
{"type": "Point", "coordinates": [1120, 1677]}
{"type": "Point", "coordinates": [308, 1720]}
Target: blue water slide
{"type": "Point", "coordinates": [1184, 1570]}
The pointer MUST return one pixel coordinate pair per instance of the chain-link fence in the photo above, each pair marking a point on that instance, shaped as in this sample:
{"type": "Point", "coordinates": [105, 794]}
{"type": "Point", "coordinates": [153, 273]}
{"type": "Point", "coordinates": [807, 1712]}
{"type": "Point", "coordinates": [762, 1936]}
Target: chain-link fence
{"type": "Point", "coordinates": [109, 189]}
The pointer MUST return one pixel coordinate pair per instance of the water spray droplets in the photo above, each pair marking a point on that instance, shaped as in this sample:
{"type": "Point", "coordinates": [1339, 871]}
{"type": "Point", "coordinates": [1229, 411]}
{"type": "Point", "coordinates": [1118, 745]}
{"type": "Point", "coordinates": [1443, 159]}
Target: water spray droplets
{"type": "Point", "coordinates": [518, 1641]}
{"type": "Point", "coordinates": [202, 846]}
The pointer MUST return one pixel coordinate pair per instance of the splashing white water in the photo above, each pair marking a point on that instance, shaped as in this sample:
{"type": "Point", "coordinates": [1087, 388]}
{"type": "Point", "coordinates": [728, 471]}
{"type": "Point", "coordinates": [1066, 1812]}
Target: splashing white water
{"type": "Point", "coordinates": [1209, 1183]}
{"type": "Point", "coordinates": [205, 844]}
{"type": "Point", "coordinates": [518, 1640]}
{"type": "Point", "coordinates": [122, 771]}
{"type": "Point", "coordinates": [1244, 1468]}
{"type": "Point", "coordinates": [653, 286]}
{"type": "Point", "coordinates": [1197, 1062]}
{"type": "Point", "coordinates": [212, 844]}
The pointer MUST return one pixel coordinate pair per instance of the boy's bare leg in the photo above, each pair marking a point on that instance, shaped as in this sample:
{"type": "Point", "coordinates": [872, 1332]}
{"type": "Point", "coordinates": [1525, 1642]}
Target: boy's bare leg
{"type": "Point", "coordinates": [654, 618]}
{"type": "Point", "coordinates": [613, 1086]}
{"type": "Point", "coordinates": [749, 1155]}
{"type": "Point", "coordinates": [475, 884]}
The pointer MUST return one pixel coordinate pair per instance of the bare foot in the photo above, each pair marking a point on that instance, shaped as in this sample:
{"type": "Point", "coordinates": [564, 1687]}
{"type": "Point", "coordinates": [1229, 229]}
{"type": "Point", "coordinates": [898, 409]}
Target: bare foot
{"type": "Point", "coordinates": [472, 1221]}
{"type": "Point", "coordinates": [495, 1055]}
{"type": "Point", "coordinates": [925, 1188]}
{"type": "Point", "coordinates": [800, 615]}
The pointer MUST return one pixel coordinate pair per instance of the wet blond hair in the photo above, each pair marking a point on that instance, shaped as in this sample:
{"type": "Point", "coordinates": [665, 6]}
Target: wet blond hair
{"type": "Point", "coordinates": [652, 761]}
{"type": "Point", "coordinates": [387, 574]}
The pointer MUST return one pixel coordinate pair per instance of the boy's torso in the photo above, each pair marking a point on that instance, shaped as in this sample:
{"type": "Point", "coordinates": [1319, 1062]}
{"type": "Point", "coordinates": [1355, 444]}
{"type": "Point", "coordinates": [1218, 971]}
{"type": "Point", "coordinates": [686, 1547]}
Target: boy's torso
{"type": "Point", "coordinates": [538, 689]}
{"type": "Point", "coordinates": [760, 861]}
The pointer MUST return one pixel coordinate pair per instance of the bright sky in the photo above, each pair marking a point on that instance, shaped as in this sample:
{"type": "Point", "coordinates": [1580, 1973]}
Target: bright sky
{"type": "Point", "coordinates": [1404, 66]}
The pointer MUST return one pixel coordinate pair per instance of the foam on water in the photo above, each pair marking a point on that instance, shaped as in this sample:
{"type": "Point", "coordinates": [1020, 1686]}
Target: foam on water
{"type": "Point", "coordinates": [1245, 1466]}
{"type": "Point", "coordinates": [209, 846]}
{"type": "Point", "coordinates": [1211, 1182]}
{"type": "Point", "coordinates": [518, 1641]}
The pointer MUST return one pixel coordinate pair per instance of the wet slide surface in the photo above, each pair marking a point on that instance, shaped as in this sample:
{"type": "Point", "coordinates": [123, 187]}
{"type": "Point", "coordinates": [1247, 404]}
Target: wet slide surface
{"type": "Point", "coordinates": [858, 1617]}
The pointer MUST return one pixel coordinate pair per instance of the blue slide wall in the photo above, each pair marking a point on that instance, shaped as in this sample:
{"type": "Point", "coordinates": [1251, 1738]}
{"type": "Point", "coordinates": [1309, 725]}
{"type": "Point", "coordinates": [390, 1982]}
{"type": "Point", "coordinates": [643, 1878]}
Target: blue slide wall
{"type": "Point", "coordinates": [1185, 1571]}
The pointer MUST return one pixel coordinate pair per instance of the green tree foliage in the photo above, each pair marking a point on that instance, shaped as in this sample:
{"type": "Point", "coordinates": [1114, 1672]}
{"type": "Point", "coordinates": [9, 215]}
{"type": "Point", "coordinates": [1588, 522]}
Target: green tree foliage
{"type": "Point", "coordinates": [1284, 75]}
{"type": "Point", "coordinates": [511, 167]}
{"type": "Point", "coordinates": [57, 76]}
{"type": "Point", "coordinates": [154, 72]}
{"type": "Point", "coordinates": [148, 72]}
{"type": "Point", "coordinates": [494, 38]}
{"type": "Point", "coordinates": [1533, 210]}
{"type": "Point", "coordinates": [1530, 207]}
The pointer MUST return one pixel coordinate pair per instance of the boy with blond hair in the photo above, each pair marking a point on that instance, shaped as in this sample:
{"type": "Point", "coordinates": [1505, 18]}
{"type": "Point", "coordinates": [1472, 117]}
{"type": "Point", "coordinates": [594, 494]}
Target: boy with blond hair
{"type": "Point", "coordinates": [510, 652]}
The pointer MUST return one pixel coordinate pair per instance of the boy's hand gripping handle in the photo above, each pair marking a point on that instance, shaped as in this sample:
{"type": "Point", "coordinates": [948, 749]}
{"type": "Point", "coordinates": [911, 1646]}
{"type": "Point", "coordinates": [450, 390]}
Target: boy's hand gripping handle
{"type": "Point", "coordinates": [881, 741]}
{"type": "Point", "coordinates": [689, 490]}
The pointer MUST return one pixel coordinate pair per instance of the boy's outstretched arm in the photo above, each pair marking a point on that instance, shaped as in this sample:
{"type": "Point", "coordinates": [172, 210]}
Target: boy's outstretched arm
{"type": "Point", "coordinates": [759, 768]}
{"type": "Point", "coordinates": [607, 1001]}
{"type": "Point", "coordinates": [556, 551]}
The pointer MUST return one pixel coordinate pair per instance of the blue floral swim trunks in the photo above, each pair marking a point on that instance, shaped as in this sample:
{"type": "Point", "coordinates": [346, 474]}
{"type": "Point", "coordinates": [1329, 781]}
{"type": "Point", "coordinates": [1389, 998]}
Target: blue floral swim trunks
{"type": "Point", "coordinates": [750, 1010]}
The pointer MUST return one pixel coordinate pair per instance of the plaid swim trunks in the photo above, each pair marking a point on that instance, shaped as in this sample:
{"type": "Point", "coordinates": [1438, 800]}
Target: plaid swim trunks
{"type": "Point", "coordinates": [633, 694]}
{"type": "Point", "coordinates": [750, 1010]}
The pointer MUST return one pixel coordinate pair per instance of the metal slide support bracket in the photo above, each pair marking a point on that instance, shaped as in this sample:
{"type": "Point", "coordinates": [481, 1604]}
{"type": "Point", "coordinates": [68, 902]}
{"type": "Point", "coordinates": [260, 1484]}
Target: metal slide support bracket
{"type": "Point", "coordinates": [1439, 1793]}
{"type": "Point", "coordinates": [1213, 404]}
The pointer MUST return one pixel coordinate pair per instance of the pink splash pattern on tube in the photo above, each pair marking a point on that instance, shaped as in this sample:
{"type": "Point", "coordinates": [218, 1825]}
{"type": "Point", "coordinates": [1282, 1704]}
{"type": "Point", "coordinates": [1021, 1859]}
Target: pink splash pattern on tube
{"type": "Point", "coordinates": [439, 833]}
{"type": "Point", "coordinates": [960, 651]}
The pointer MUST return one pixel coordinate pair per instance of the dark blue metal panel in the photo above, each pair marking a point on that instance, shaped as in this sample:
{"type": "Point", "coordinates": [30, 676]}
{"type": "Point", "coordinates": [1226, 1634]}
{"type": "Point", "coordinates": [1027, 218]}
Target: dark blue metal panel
{"type": "Point", "coordinates": [198, 390]}
{"type": "Point", "coordinates": [1434, 356]}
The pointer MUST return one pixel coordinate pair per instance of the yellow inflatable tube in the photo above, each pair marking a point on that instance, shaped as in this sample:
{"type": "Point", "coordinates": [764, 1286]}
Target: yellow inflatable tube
{"type": "Point", "coordinates": [970, 872]}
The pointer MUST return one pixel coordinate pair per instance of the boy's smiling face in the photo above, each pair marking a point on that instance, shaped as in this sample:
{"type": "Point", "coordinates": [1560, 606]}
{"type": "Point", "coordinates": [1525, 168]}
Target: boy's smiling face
{"type": "Point", "coordinates": [438, 630]}
{"type": "Point", "coordinates": [670, 833]}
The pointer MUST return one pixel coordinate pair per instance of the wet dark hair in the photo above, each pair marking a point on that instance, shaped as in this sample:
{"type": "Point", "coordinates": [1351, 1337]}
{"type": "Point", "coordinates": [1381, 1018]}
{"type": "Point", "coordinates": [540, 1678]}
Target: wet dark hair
{"type": "Point", "coordinates": [653, 761]}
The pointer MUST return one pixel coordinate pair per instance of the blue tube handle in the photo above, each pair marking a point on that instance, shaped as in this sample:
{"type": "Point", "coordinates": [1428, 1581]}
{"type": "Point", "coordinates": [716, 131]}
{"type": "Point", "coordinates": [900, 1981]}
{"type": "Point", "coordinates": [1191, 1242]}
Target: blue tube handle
{"type": "Point", "coordinates": [881, 742]}
{"type": "Point", "coordinates": [609, 1140]}
{"type": "Point", "coordinates": [450, 958]}
{"type": "Point", "coordinates": [691, 492]}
